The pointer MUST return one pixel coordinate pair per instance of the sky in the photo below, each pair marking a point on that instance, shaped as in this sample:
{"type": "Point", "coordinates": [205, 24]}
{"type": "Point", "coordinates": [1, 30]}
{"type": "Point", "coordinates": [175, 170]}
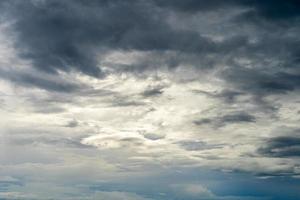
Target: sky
{"type": "Point", "coordinates": [149, 100]}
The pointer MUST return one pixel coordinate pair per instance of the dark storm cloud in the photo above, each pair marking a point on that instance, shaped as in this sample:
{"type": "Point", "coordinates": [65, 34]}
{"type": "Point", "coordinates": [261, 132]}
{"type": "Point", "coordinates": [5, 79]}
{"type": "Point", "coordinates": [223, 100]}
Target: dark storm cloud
{"type": "Point", "coordinates": [74, 35]}
{"type": "Point", "coordinates": [63, 35]}
{"type": "Point", "coordinates": [69, 35]}
{"type": "Point", "coordinates": [273, 9]}
{"type": "Point", "coordinates": [274, 55]}
{"type": "Point", "coordinates": [192, 6]}
{"type": "Point", "coordinates": [270, 9]}
{"type": "Point", "coordinates": [285, 146]}
{"type": "Point", "coordinates": [49, 34]}
{"type": "Point", "coordinates": [231, 118]}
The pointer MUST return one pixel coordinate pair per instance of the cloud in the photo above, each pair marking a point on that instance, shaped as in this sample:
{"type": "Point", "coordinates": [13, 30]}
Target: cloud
{"type": "Point", "coordinates": [273, 10]}
{"type": "Point", "coordinates": [104, 92]}
{"type": "Point", "coordinates": [43, 81]}
{"type": "Point", "coordinates": [197, 145]}
{"type": "Point", "coordinates": [238, 117]}
{"type": "Point", "coordinates": [118, 196]}
{"type": "Point", "coordinates": [284, 146]}
{"type": "Point", "coordinates": [153, 136]}
{"type": "Point", "coordinates": [61, 41]}
{"type": "Point", "coordinates": [113, 142]}
{"type": "Point", "coordinates": [231, 118]}
{"type": "Point", "coordinates": [72, 124]}
{"type": "Point", "coordinates": [229, 96]}
{"type": "Point", "coordinates": [258, 82]}
{"type": "Point", "coordinates": [99, 195]}
{"type": "Point", "coordinates": [152, 92]}
{"type": "Point", "coordinates": [193, 190]}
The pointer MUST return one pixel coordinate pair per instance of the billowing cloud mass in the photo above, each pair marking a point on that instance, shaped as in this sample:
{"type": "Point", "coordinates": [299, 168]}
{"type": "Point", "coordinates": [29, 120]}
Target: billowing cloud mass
{"type": "Point", "coordinates": [149, 99]}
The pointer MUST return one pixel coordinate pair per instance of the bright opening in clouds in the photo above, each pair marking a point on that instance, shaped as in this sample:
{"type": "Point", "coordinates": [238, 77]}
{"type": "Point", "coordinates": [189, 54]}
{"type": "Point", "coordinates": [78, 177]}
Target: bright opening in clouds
{"type": "Point", "coordinates": [149, 100]}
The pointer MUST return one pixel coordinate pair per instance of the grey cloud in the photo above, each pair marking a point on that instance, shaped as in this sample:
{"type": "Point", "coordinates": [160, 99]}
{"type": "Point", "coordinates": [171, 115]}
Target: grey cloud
{"type": "Point", "coordinates": [72, 124]}
{"type": "Point", "coordinates": [47, 35]}
{"type": "Point", "coordinates": [30, 79]}
{"type": "Point", "coordinates": [203, 121]}
{"type": "Point", "coordinates": [191, 145]}
{"type": "Point", "coordinates": [68, 35]}
{"type": "Point", "coordinates": [231, 118]}
{"type": "Point", "coordinates": [61, 35]}
{"type": "Point", "coordinates": [274, 10]}
{"type": "Point", "coordinates": [156, 91]}
{"type": "Point", "coordinates": [153, 136]}
{"type": "Point", "coordinates": [193, 5]}
{"type": "Point", "coordinates": [257, 82]}
{"type": "Point", "coordinates": [229, 96]}
{"type": "Point", "coordinates": [278, 173]}
{"type": "Point", "coordinates": [124, 101]}
{"type": "Point", "coordinates": [49, 109]}
{"type": "Point", "coordinates": [284, 146]}
{"type": "Point", "coordinates": [269, 9]}
{"type": "Point", "coordinates": [73, 35]}
{"type": "Point", "coordinates": [152, 92]}
{"type": "Point", "coordinates": [238, 117]}
{"type": "Point", "coordinates": [92, 92]}
{"type": "Point", "coordinates": [48, 105]}
{"type": "Point", "coordinates": [2, 103]}
{"type": "Point", "coordinates": [58, 102]}
{"type": "Point", "coordinates": [46, 140]}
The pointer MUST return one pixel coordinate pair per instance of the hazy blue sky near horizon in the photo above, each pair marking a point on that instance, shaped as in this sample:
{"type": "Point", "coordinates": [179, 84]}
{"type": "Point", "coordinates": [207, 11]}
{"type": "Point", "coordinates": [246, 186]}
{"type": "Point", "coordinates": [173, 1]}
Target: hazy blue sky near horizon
{"type": "Point", "coordinates": [149, 100]}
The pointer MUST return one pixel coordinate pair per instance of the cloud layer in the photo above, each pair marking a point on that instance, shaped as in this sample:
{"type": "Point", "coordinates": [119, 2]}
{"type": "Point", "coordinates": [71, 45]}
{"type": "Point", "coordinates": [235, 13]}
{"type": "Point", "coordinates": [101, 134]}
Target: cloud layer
{"type": "Point", "coordinates": [97, 97]}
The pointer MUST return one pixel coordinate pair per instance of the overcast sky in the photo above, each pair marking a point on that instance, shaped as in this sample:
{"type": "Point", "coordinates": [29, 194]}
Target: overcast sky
{"type": "Point", "coordinates": [149, 99]}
